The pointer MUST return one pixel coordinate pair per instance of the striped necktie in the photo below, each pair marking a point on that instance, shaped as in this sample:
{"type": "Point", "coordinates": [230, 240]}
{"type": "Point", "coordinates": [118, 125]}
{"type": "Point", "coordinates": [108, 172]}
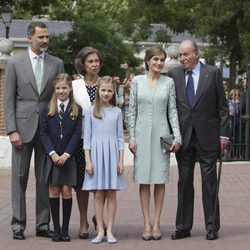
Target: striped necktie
{"type": "Point", "coordinates": [38, 73]}
{"type": "Point", "coordinates": [61, 111]}
{"type": "Point", "coordinates": [190, 89]}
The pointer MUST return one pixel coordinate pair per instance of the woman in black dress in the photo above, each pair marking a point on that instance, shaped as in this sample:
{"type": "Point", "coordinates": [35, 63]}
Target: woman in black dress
{"type": "Point", "coordinates": [87, 63]}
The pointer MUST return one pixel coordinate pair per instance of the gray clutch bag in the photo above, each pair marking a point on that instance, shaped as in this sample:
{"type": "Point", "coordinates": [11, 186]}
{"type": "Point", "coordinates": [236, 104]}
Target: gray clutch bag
{"type": "Point", "coordinates": [166, 142]}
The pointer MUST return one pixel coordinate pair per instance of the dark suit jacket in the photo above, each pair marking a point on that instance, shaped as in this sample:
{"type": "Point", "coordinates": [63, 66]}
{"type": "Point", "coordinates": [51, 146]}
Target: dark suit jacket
{"type": "Point", "coordinates": [209, 116]}
{"type": "Point", "coordinates": [23, 104]}
{"type": "Point", "coordinates": [51, 131]}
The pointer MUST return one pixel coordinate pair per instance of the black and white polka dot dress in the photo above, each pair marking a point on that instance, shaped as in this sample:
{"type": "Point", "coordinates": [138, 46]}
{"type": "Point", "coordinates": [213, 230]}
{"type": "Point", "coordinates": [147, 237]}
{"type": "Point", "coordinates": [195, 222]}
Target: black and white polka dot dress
{"type": "Point", "coordinates": [91, 89]}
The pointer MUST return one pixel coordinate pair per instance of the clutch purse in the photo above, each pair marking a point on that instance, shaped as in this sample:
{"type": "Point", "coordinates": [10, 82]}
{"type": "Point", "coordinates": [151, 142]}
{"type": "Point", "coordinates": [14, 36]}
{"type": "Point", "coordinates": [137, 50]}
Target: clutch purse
{"type": "Point", "coordinates": [166, 142]}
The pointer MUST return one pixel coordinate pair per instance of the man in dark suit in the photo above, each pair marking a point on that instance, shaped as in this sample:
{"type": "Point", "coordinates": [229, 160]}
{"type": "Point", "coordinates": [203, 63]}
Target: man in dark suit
{"type": "Point", "coordinates": [204, 122]}
{"type": "Point", "coordinates": [28, 88]}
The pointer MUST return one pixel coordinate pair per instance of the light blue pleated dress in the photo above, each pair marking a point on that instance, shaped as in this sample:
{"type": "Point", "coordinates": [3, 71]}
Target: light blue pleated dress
{"type": "Point", "coordinates": [104, 137]}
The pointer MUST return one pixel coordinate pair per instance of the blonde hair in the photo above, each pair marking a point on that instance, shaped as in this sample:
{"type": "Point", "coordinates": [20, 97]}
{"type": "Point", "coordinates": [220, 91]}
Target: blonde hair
{"type": "Point", "coordinates": [53, 101]}
{"type": "Point", "coordinates": [234, 95]}
{"type": "Point", "coordinates": [97, 104]}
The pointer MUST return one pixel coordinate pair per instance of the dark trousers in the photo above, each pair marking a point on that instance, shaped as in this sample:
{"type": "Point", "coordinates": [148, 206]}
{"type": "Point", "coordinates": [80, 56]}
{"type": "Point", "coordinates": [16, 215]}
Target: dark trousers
{"type": "Point", "coordinates": [186, 159]}
{"type": "Point", "coordinates": [19, 180]}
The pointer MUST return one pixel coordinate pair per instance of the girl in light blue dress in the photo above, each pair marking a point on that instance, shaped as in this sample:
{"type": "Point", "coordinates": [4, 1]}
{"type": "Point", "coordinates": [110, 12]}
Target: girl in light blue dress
{"type": "Point", "coordinates": [104, 155]}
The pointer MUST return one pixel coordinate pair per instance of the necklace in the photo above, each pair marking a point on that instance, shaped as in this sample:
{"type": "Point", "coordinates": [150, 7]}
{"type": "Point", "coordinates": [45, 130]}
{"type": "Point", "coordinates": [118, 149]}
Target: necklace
{"type": "Point", "coordinates": [91, 82]}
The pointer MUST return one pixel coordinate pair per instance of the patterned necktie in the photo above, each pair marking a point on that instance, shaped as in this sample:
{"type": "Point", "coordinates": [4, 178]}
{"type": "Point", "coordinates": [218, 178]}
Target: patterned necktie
{"type": "Point", "coordinates": [61, 111]}
{"type": "Point", "coordinates": [190, 89]}
{"type": "Point", "coordinates": [38, 73]}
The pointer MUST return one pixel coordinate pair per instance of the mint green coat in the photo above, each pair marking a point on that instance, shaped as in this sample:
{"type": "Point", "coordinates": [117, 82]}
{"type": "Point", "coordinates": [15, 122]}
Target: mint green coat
{"type": "Point", "coordinates": [147, 122]}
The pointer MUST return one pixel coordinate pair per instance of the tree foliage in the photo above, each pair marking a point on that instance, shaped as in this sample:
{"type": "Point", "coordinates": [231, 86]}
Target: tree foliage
{"type": "Point", "coordinates": [27, 9]}
{"type": "Point", "coordinates": [94, 29]}
{"type": "Point", "coordinates": [64, 9]}
{"type": "Point", "coordinates": [225, 25]}
{"type": "Point", "coordinates": [93, 25]}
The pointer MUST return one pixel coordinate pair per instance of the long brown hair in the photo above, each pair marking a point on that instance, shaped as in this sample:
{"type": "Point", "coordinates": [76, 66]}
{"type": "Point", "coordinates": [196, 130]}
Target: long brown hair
{"type": "Point", "coordinates": [53, 101]}
{"type": "Point", "coordinates": [97, 104]}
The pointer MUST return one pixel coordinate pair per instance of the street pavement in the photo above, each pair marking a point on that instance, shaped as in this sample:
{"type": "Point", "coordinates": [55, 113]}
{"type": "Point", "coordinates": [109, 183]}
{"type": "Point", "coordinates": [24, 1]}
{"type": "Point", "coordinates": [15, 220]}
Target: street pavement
{"type": "Point", "coordinates": [234, 204]}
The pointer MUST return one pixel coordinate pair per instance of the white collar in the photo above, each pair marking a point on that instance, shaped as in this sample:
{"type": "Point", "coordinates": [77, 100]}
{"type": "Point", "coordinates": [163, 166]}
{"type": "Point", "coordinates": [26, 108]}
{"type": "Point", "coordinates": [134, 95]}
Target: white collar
{"type": "Point", "coordinates": [34, 55]}
{"type": "Point", "coordinates": [66, 102]}
{"type": "Point", "coordinates": [196, 69]}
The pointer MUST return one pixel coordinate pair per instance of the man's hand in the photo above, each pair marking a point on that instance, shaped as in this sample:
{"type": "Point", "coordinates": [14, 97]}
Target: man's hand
{"type": "Point", "coordinates": [15, 140]}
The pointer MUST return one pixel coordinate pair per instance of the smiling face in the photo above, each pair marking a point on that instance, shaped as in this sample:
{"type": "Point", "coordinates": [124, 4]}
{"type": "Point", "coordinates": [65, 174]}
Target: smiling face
{"type": "Point", "coordinates": [188, 55]}
{"type": "Point", "coordinates": [106, 92]}
{"type": "Point", "coordinates": [39, 41]}
{"type": "Point", "coordinates": [62, 90]}
{"type": "Point", "coordinates": [156, 63]}
{"type": "Point", "coordinates": [92, 64]}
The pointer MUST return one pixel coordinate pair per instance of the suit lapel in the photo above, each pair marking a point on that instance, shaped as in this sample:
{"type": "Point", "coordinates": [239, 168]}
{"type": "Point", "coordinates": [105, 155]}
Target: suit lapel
{"type": "Point", "coordinates": [67, 112]}
{"type": "Point", "coordinates": [28, 70]}
{"type": "Point", "coordinates": [46, 71]}
{"type": "Point", "coordinates": [182, 85]}
{"type": "Point", "coordinates": [201, 83]}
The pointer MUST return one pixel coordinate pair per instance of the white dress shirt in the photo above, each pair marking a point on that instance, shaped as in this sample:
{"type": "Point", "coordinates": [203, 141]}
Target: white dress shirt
{"type": "Point", "coordinates": [195, 75]}
{"type": "Point", "coordinates": [66, 102]}
{"type": "Point", "coordinates": [33, 59]}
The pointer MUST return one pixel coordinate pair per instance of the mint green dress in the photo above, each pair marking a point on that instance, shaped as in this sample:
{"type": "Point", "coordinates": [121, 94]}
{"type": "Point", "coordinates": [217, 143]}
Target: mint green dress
{"type": "Point", "coordinates": [147, 122]}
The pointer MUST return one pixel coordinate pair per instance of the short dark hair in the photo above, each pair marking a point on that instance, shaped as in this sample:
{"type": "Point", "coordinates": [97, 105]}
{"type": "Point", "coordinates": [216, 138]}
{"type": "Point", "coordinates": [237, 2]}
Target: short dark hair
{"type": "Point", "coordinates": [33, 25]}
{"type": "Point", "coordinates": [81, 57]}
{"type": "Point", "coordinates": [153, 51]}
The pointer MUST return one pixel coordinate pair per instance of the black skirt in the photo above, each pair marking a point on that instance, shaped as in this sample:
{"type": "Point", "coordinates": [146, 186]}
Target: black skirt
{"type": "Point", "coordinates": [59, 175]}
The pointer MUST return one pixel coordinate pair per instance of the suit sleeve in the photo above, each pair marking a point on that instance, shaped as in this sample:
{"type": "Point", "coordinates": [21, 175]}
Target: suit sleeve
{"type": "Point", "coordinates": [10, 97]}
{"type": "Point", "coordinates": [44, 133]}
{"type": "Point", "coordinates": [222, 106]}
{"type": "Point", "coordinates": [61, 67]}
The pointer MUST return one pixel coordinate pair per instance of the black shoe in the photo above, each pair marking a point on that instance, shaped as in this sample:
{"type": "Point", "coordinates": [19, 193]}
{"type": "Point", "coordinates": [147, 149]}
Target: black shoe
{"type": "Point", "coordinates": [156, 237]}
{"type": "Point", "coordinates": [147, 237]}
{"type": "Point", "coordinates": [18, 235]}
{"type": "Point", "coordinates": [212, 235]}
{"type": "Point", "coordinates": [65, 237]}
{"type": "Point", "coordinates": [56, 237]}
{"type": "Point", "coordinates": [180, 234]}
{"type": "Point", "coordinates": [83, 236]}
{"type": "Point", "coordinates": [45, 233]}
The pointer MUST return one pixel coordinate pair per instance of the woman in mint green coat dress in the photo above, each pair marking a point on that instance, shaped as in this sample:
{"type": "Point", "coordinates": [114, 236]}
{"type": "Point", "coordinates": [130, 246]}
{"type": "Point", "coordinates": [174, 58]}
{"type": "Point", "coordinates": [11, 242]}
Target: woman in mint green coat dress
{"type": "Point", "coordinates": [152, 111]}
